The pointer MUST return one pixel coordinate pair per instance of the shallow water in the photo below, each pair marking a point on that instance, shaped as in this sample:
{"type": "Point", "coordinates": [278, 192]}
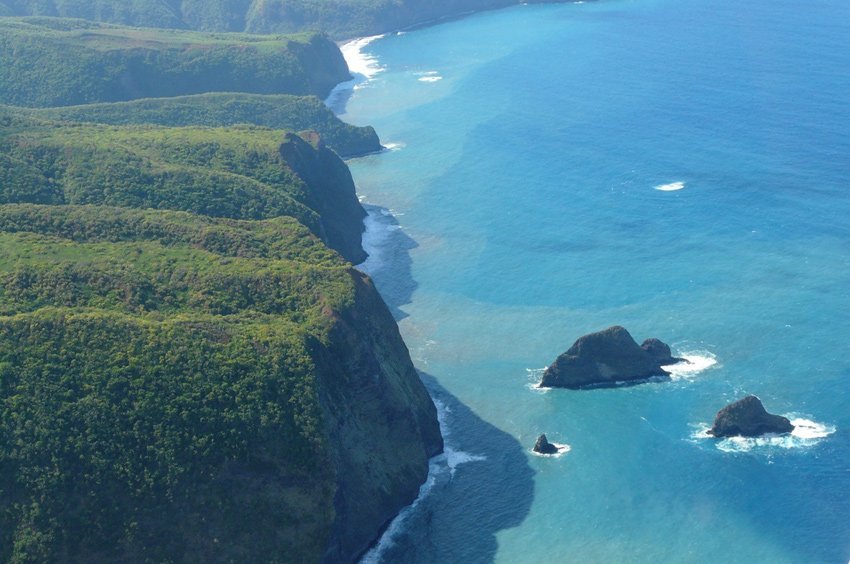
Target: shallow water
{"type": "Point", "coordinates": [679, 168]}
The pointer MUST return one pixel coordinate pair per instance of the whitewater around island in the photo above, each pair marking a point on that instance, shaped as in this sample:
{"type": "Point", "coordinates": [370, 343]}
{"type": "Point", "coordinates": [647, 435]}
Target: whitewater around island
{"type": "Point", "coordinates": [512, 239]}
{"type": "Point", "coordinates": [696, 362]}
{"type": "Point", "coordinates": [806, 434]}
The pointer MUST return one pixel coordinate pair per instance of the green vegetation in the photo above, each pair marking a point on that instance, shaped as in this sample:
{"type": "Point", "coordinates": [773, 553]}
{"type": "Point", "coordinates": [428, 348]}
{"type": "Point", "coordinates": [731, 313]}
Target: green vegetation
{"type": "Point", "coordinates": [236, 172]}
{"type": "Point", "coordinates": [294, 113]}
{"type": "Point", "coordinates": [190, 369]}
{"type": "Point", "coordinates": [60, 62]}
{"type": "Point", "coordinates": [38, 271]}
{"type": "Point", "coordinates": [340, 18]}
{"type": "Point", "coordinates": [280, 238]}
{"type": "Point", "coordinates": [149, 369]}
{"type": "Point", "coordinates": [192, 438]}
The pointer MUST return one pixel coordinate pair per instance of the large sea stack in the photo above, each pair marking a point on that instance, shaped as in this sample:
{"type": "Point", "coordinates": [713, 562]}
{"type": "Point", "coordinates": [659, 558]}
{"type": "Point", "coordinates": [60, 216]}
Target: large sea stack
{"type": "Point", "coordinates": [748, 418]}
{"type": "Point", "coordinates": [606, 358]}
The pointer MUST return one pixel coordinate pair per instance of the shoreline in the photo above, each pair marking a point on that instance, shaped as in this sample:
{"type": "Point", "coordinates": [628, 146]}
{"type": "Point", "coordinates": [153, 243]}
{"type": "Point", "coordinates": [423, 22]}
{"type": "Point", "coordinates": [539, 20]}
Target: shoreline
{"type": "Point", "coordinates": [452, 17]}
{"type": "Point", "coordinates": [381, 232]}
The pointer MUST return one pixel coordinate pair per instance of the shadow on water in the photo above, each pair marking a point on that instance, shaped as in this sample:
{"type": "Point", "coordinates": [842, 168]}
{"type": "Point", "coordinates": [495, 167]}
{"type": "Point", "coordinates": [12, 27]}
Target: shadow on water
{"type": "Point", "coordinates": [481, 485]}
{"type": "Point", "coordinates": [389, 263]}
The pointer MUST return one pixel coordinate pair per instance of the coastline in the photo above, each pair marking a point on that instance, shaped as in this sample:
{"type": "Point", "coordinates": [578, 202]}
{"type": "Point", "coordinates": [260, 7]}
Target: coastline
{"type": "Point", "coordinates": [381, 232]}
{"type": "Point", "coordinates": [760, 450]}
{"type": "Point", "coordinates": [387, 247]}
{"type": "Point", "coordinates": [428, 22]}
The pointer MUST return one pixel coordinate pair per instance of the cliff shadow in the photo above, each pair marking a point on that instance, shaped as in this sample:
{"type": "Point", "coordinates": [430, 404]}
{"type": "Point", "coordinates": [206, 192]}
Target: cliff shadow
{"type": "Point", "coordinates": [389, 263]}
{"type": "Point", "coordinates": [481, 485]}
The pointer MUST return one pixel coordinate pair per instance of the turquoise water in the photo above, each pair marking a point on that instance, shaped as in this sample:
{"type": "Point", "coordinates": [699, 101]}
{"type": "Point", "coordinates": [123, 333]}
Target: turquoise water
{"type": "Point", "coordinates": [528, 146]}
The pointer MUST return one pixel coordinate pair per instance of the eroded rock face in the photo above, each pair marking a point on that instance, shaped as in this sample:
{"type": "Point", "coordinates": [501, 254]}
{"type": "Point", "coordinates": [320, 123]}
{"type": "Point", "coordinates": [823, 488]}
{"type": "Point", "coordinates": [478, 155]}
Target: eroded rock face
{"type": "Point", "coordinates": [606, 358]}
{"type": "Point", "coordinates": [543, 446]}
{"type": "Point", "coordinates": [747, 417]}
{"type": "Point", "coordinates": [330, 191]}
{"type": "Point", "coordinates": [660, 352]}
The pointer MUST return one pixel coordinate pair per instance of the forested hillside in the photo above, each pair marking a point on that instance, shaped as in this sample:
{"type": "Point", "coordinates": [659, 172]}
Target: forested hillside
{"type": "Point", "coordinates": [190, 368]}
{"type": "Point", "coordinates": [61, 62]}
{"type": "Point", "coordinates": [166, 385]}
{"type": "Point", "coordinates": [187, 387]}
{"type": "Point", "coordinates": [294, 113]}
{"type": "Point", "coordinates": [237, 172]}
{"type": "Point", "coordinates": [340, 18]}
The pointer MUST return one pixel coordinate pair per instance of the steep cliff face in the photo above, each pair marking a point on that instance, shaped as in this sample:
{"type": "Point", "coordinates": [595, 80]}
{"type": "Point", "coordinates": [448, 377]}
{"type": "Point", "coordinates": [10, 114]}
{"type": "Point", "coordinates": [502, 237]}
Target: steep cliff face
{"type": "Point", "coordinates": [381, 420]}
{"type": "Point", "coordinates": [332, 193]}
{"type": "Point", "coordinates": [204, 390]}
{"type": "Point", "coordinates": [57, 62]}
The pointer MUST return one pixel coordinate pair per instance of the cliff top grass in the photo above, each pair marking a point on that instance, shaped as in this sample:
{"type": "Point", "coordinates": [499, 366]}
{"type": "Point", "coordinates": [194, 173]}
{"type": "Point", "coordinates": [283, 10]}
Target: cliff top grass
{"type": "Point", "coordinates": [138, 277]}
{"type": "Point", "coordinates": [233, 172]}
{"type": "Point", "coordinates": [281, 238]}
{"type": "Point", "coordinates": [132, 438]}
{"type": "Point", "coordinates": [157, 375]}
{"type": "Point", "coordinates": [61, 62]}
{"type": "Point", "coordinates": [294, 113]}
{"type": "Point", "coordinates": [340, 18]}
{"type": "Point", "coordinates": [107, 37]}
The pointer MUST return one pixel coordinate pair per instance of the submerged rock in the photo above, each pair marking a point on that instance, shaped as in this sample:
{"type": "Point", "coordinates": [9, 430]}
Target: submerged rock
{"type": "Point", "coordinates": [543, 446]}
{"type": "Point", "coordinates": [607, 357]}
{"type": "Point", "coordinates": [748, 418]}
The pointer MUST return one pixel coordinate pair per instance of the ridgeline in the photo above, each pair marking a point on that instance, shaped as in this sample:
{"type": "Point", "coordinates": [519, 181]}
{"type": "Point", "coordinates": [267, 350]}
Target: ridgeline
{"type": "Point", "coordinates": [342, 19]}
{"type": "Point", "coordinates": [63, 62]}
{"type": "Point", "coordinates": [190, 367]}
{"type": "Point", "coordinates": [219, 109]}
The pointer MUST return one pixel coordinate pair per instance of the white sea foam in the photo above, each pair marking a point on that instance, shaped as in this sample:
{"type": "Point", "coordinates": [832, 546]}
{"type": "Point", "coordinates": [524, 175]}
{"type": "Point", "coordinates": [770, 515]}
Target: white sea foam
{"type": "Point", "coordinates": [563, 448]}
{"type": "Point", "coordinates": [394, 146]}
{"type": "Point", "coordinates": [697, 362]}
{"type": "Point", "coordinates": [455, 458]}
{"type": "Point", "coordinates": [387, 540]}
{"type": "Point", "coordinates": [360, 63]}
{"type": "Point", "coordinates": [671, 187]}
{"type": "Point", "coordinates": [806, 433]}
{"type": "Point", "coordinates": [535, 375]}
{"type": "Point", "coordinates": [374, 240]}
{"type": "Point", "coordinates": [363, 67]}
{"type": "Point", "coordinates": [438, 466]}
{"type": "Point", "coordinates": [430, 78]}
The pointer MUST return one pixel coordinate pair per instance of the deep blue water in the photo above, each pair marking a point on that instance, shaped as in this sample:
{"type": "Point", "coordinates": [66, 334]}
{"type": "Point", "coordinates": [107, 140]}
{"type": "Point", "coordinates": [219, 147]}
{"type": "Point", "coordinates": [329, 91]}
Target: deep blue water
{"type": "Point", "coordinates": [524, 183]}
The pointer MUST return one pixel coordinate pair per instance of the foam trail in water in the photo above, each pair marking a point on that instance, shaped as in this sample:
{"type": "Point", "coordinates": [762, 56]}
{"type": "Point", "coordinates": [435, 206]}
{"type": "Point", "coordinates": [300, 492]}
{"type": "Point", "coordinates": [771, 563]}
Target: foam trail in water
{"type": "Point", "coordinates": [363, 67]}
{"type": "Point", "coordinates": [394, 146]}
{"type": "Point", "coordinates": [806, 433]}
{"type": "Point", "coordinates": [437, 469]}
{"type": "Point", "coordinates": [671, 187]}
{"type": "Point", "coordinates": [697, 362]}
{"type": "Point", "coordinates": [535, 375]}
{"type": "Point", "coordinates": [374, 239]}
{"type": "Point", "coordinates": [428, 76]}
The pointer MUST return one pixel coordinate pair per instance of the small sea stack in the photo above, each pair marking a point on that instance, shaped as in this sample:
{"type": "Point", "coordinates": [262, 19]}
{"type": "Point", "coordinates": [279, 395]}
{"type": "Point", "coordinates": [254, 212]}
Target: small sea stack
{"type": "Point", "coordinates": [607, 358]}
{"type": "Point", "coordinates": [543, 446]}
{"type": "Point", "coordinates": [747, 417]}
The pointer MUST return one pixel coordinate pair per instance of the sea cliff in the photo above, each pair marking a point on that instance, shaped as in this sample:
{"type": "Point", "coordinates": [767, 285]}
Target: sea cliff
{"type": "Point", "coordinates": [211, 380]}
{"type": "Point", "coordinates": [343, 19]}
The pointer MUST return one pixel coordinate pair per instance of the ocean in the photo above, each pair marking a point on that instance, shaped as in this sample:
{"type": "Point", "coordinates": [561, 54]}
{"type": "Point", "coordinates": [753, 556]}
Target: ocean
{"type": "Point", "coordinates": [681, 168]}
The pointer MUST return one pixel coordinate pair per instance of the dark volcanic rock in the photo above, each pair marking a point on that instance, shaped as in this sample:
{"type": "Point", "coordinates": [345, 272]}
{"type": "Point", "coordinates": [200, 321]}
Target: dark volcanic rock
{"type": "Point", "coordinates": [543, 446]}
{"type": "Point", "coordinates": [748, 418]}
{"type": "Point", "coordinates": [605, 358]}
{"type": "Point", "coordinates": [660, 352]}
